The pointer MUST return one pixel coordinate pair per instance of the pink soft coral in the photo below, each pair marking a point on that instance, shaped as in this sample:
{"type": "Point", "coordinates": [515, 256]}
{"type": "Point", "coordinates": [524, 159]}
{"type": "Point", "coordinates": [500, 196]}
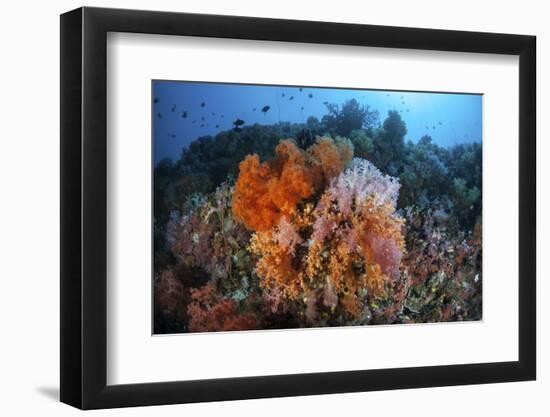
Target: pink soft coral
{"type": "Point", "coordinates": [361, 181]}
{"type": "Point", "coordinates": [287, 236]}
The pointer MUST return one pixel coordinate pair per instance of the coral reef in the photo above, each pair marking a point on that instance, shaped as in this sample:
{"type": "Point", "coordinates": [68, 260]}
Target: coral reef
{"type": "Point", "coordinates": [207, 237]}
{"type": "Point", "coordinates": [341, 251]}
{"type": "Point", "coordinates": [314, 230]}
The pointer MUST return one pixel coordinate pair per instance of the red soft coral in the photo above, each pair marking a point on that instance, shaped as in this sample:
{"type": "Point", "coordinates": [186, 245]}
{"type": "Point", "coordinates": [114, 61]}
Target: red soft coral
{"type": "Point", "coordinates": [209, 312]}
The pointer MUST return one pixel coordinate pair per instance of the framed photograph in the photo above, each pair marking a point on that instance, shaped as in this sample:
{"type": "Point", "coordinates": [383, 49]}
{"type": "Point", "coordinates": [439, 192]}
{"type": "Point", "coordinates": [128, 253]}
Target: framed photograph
{"type": "Point", "coordinates": [258, 208]}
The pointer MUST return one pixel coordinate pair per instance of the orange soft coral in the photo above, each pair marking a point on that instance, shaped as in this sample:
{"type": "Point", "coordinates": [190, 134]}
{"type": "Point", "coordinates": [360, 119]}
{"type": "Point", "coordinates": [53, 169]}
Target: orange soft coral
{"type": "Point", "coordinates": [251, 191]}
{"type": "Point", "coordinates": [275, 265]}
{"type": "Point", "coordinates": [267, 191]}
{"type": "Point", "coordinates": [345, 271]}
{"type": "Point", "coordinates": [331, 157]}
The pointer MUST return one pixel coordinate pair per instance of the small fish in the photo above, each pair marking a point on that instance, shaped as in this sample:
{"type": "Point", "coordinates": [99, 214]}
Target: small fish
{"type": "Point", "coordinates": [440, 123]}
{"type": "Point", "coordinates": [202, 118]}
{"type": "Point", "coordinates": [310, 95]}
{"type": "Point", "coordinates": [173, 136]}
{"type": "Point", "coordinates": [291, 98]}
{"type": "Point", "coordinates": [239, 122]}
{"type": "Point", "coordinates": [217, 126]}
{"type": "Point", "coordinates": [282, 95]}
{"type": "Point", "coordinates": [387, 95]}
{"type": "Point", "coordinates": [302, 108]}
{"type": "Point", "coordinates": [203, 104]}
{"type": "Point", "coordinates": [184, 115]}
{"type": "Point", "coordinates": [159, 115]}
{"type": "Point", "coordinates": [433, 127]}
{"type": "Point", "coordinates": [202, 125]}
{"type": "Point", "coordinates": [301, 89]}
{"type": "Point", "coordinates": [222, 116]}
{"type": "Point", "coordinates": [402, 102]}
{"type": "Point", "coordinates": [325, 103]}
{"type": "Point", "coordinates": [173, 108]}
{"type": "Point", "coordinates": [265, 109]}
{"type": "Point", "coordinates": [213, 114]}
{"type": "Point", "coordinates": [401, 97]}
{"type": "Point", "coordinates": [156, 100]}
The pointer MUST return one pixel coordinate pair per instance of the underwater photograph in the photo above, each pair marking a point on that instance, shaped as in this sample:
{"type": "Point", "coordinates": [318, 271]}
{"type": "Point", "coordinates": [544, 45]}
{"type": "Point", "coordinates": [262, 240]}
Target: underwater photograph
{"type": "Point", "coordinates": [289, 207]}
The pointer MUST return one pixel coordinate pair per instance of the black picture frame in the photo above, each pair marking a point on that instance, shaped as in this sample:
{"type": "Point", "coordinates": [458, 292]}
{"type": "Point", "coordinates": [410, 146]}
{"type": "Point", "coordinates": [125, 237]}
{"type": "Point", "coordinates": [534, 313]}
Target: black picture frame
{"type": "Point", "coordinates": [84, 207]}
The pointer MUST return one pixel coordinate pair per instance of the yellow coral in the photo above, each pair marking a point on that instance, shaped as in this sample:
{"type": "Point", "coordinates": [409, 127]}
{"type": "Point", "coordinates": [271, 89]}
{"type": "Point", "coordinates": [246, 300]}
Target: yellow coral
{"type": "Point", "coordinates": [375, 280]}
{"type": "Point", "coordinates": [275, 265]}
{"type": "Point", "coordinates": [352, 305]}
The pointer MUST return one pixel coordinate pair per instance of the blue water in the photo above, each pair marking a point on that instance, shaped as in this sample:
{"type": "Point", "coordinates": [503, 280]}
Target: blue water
{"type": "Point", "coordinates": [448, 118]}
